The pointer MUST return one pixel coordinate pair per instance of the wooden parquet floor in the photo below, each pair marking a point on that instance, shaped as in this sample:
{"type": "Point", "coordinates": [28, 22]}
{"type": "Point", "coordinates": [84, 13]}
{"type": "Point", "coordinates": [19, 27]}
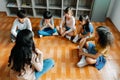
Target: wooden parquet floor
{"type": "Point", "coordinates": [63, 51]}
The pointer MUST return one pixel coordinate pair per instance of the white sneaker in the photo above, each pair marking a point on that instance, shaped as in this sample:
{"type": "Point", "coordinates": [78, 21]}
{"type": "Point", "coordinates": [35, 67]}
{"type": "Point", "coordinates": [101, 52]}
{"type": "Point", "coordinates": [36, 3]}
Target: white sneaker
{"type": "Point", "coordinates": [68, 37]}
{"type": "Point", "coordinates": [76, 39]}
{"type": "Point", "coordinates": [82, 62]}
{"type": "Point", "coordinates": [56, 33]}
{"type": "Point", "coordinates": [40, 36]}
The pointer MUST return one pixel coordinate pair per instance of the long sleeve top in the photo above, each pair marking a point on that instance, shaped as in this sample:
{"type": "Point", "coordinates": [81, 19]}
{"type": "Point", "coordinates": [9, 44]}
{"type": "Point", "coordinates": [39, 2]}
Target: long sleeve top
{"type": "Point", "coordinates": [17, 25]}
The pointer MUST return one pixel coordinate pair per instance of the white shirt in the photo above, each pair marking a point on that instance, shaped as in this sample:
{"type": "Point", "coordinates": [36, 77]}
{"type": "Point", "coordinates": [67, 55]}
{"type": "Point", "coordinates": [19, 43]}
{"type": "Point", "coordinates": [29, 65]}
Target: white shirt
{"type": "Point", "coordinates": [69, 23]}
{"type": "Point", "coordinates": [17, 25]}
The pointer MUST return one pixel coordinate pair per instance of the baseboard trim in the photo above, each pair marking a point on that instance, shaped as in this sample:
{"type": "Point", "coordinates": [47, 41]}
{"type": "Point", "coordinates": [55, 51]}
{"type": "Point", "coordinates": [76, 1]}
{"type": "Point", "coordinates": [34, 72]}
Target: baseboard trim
{"type": "Point", "coordinates": [113, 24]}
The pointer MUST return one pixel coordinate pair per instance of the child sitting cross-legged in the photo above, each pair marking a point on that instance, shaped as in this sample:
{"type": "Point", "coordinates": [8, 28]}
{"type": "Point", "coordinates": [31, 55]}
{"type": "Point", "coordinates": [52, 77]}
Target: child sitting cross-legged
{"type": "Point", "coordinates": [95, 53]}
{"type": "Point", "coordinates": [85, 28]}
{"type": "Point", "coordinates": [26, 61]}
{"type": "Point", "coordinates": [46, 27]}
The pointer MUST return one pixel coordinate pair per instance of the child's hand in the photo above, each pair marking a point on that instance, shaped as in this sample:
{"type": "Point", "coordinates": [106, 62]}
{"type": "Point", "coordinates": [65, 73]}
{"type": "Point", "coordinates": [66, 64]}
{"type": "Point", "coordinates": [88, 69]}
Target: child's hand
{"type": "Point", "coordinates": [82, 53]}
{"type": "Point", "coordinates": [33, 60]}
{"type": "Point", "coordinates": [81, 36]}
{"type": "Point", "coordinates": [64, 34]}
{"type": "Point", "coordinates": [39, 55]}
{"type": "Point", "coordinates": [80, 50]}
{"type": "Point", "coordinates": [49, 24]}
{"type": "Point", "coordinates": [38, 51]}
{"type": "Point", "coordinates": [44, 24]}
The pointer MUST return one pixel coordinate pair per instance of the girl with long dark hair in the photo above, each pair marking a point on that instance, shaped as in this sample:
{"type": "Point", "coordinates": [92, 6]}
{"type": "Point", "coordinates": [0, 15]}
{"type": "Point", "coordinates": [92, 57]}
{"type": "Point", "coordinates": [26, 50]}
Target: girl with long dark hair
{"type": "Point", "coordinates": [26, 61]}
{"type": "Point", "coordinates": [85, 28]}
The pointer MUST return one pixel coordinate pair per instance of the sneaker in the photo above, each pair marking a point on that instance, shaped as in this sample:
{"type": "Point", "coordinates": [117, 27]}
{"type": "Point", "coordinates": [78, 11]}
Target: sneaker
{"type": "Point", "coordinates": [68, 37]}
{"type": "Point", "coordinates": [40, 36]}
{"type": "Point", "coordinates": [76, 39]}
{"type": "Point", "coordinates": [82, 62]}
{"type": "Point", "coordinates": [56, 33]}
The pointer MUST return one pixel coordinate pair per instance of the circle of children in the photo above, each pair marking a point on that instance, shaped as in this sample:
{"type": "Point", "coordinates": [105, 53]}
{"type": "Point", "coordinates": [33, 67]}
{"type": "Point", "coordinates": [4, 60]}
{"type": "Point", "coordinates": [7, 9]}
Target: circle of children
{"type": "Point", "coordinates": [26, 61]}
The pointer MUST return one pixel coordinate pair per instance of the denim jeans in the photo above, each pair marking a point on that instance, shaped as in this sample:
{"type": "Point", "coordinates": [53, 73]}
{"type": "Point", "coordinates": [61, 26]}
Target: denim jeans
{"type": "Point", "coordinates": [47, 65]}
{"type": "Point", "coordinates": [47, 31]}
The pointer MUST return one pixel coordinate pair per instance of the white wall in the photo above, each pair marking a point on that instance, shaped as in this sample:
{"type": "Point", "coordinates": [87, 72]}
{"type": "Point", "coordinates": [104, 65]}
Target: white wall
{"type": "Point", "coordinates": [2, 6]}
{"type": "Point", "coordinates": [115, 14]}
{"type": "Point", "coordinates": [110, 8]}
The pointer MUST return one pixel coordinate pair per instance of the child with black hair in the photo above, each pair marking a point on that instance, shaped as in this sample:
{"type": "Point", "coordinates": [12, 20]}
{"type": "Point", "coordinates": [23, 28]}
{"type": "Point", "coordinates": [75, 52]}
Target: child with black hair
{"type": "Point", "coordinates": [20, 23]}
{"type": "Point", "coordinates": [85, 28]}
{"type": "Point", "coordinates": [96, 53]}
{"type": "Point", "coordinates": [26, 61]}
{"type": "Point", "coordinates": [67, 26]}
{"type": "Point", "coordinates": [46, 27]}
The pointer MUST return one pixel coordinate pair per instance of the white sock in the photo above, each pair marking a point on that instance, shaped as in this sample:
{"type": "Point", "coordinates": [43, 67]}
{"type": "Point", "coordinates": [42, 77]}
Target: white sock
{"type": "Point", "coordinates": [40, 36]}
{"type": "Point", "coordinates": [82, 62]}
{"type": "Point", "coordinates": [85, 50]}
{"type": "Point", "coordinates": [13, 40]}
{"type": "Point", "coordinates": [76, 38]}
{"type": "Point", "coordinates": [68, 37]}
{"type": "Point", "coordinates": [56, 33]}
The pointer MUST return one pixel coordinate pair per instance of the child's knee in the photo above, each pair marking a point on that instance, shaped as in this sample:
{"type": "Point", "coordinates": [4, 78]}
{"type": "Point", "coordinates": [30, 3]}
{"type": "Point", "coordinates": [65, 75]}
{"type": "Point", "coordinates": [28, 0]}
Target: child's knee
{"type": "Point", "coordinates": [86, 45]}
{"type": "Point", "coordinates": [38, 32]}
{"type": "Point", "coordinates": [54, 30]}
{"type": "Point", "coordinates": [50, 61]}
{"type": "Point", "coordinates": [90, 60]}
